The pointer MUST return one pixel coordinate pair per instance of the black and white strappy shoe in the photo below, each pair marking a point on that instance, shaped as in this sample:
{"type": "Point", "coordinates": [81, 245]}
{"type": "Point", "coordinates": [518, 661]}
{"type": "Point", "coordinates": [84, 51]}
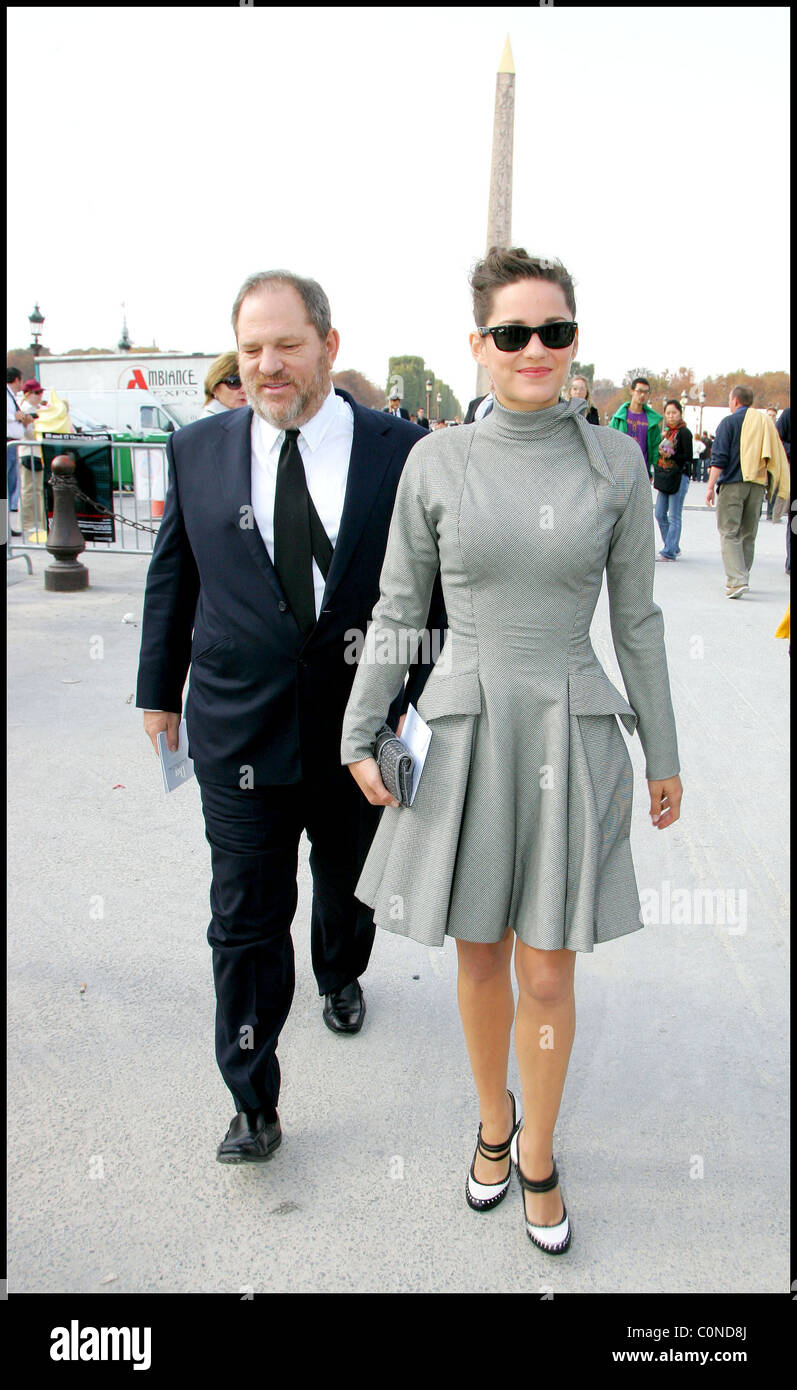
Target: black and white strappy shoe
{"type": "Point", "coordinates": [482, 1196]}
{"type": "Point", "coordinates": [554, 1240]}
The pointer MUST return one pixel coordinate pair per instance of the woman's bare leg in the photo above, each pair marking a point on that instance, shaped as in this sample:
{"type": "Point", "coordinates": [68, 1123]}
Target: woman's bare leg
{"type": "Point", "coordinates": [487, 1009]}
{"type": "Point", "coordinates": [544, 1030]}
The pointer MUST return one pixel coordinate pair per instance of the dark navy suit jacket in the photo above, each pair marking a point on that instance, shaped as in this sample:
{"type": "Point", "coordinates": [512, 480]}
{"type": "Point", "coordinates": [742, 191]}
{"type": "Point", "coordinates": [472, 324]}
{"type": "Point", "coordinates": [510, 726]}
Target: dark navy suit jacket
{"type": "Point", "coordinates": [261, 696]}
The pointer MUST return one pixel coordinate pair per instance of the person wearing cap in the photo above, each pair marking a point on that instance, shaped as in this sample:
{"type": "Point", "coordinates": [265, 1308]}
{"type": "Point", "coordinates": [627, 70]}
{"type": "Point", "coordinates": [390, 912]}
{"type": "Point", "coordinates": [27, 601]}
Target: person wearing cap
{"type": "Point", "coordinates": [32, 514]}
{"type": "Point", "coordinates": [223, 389]}
{"type": "Point", "coordinates": [394, 406]}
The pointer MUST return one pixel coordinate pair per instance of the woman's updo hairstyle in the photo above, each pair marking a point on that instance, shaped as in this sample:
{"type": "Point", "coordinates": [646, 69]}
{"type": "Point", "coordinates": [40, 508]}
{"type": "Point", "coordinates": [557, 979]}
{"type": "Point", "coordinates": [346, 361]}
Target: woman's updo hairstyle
{"type": "Point", "coordinates": [505, 266]}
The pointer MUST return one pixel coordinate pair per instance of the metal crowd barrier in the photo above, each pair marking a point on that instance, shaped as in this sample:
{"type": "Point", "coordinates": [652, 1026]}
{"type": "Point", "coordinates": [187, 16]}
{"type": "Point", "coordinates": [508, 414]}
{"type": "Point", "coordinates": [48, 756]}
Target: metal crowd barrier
{"type": "Point", "coordinates": [139, 481]}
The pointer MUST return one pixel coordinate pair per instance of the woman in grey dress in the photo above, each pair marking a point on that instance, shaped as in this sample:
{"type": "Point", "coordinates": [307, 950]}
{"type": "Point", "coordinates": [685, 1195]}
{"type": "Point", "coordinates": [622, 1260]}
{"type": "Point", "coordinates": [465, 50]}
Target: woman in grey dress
{"type": "Point", "coordinates": [518, 837]}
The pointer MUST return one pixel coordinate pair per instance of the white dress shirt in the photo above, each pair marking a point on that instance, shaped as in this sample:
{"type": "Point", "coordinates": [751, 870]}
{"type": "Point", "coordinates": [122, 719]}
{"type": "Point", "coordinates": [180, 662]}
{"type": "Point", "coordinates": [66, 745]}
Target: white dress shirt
{"type": "Point", "coordinates": [325, 446]}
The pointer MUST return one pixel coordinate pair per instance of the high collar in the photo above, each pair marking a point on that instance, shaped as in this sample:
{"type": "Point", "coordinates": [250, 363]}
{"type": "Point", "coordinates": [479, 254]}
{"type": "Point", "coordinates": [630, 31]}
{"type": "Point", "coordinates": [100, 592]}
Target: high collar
{"type": "Point", "coordinates": [526, 426]}
{"type": "Point", "coordinates": [533, 424]}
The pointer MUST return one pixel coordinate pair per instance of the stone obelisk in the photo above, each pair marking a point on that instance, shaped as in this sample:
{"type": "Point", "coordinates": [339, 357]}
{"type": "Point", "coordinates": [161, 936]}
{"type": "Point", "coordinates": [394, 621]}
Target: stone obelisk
{"type": "Point", "coordinates": [499, 213]}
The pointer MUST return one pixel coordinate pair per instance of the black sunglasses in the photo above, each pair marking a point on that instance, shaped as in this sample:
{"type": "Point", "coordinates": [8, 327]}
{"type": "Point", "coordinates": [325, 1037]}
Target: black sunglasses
{"type": "Point", "coordinates": [231, 381]}
{"type": "Point", "coordinates": [511, 337]}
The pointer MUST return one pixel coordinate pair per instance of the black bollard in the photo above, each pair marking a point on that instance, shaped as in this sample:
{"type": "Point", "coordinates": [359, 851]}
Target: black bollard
{"type": "Point", "coordinates": [66, 574]}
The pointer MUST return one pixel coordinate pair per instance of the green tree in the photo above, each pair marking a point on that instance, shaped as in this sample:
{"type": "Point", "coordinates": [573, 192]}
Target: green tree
{"type": "Point", "coordinates": [411, 376]}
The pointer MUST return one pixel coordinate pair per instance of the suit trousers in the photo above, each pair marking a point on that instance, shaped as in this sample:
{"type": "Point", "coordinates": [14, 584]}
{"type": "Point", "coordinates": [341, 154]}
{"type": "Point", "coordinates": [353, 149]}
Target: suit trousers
{"type": "Point", "coordinates": [738, 515]}
{"type": "Point", "coordinates": [254, 840]}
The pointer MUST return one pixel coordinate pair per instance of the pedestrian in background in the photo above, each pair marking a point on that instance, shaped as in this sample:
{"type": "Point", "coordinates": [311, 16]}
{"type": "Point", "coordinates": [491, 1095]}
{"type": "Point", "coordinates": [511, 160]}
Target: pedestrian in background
{"type": "Point", "coordinates": [15, 429]}
{"type": "Point", "coordinates": [742, 447]}
{"type": "Point", "coordinates": [394, 406]}
{"type": "Point", "coordinates": [32, 513]}
{"type": "Point", "coordinates": [640, 420]}
{"type": "Point", "coordinates": [783, 428]}
{"type": "Point", "coordinates": [700, 453]}
{"type": "Point", "coordinates": [223, 389]}
{"type": "Point", "coordinates": [480, 406]}
{"type": "Point", "coordinates": [671, 474]}
{"type": "Point", "coordinates": [579, 389]}
{"type": "Point", "coordinates": [776, 506]}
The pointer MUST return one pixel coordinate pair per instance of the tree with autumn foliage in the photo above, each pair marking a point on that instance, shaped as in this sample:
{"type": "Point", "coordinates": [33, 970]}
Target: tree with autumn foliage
{"type": "Point", "coordinates": [358, 386]}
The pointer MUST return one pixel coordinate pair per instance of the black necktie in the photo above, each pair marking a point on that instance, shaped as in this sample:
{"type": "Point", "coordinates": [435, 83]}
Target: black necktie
{"type": "Point", "coordinates": [299, 536]}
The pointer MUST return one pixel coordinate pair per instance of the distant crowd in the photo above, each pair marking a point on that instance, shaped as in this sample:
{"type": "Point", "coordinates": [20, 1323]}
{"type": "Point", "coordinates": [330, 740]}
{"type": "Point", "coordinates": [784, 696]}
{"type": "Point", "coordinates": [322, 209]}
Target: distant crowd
{"type": "Point", "coordinates": [673, 456]}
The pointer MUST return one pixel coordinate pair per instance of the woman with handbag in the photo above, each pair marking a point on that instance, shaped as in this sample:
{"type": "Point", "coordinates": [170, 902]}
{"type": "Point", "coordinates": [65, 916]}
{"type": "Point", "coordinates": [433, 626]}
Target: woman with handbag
{"type": "Point", "coordinates": [517, 841]}
{"type": "Point", "coordinates": [671, 475]}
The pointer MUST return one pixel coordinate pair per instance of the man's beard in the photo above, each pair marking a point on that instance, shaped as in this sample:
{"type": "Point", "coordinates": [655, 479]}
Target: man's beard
{"type": "Point", "coordinates": [306, 402]}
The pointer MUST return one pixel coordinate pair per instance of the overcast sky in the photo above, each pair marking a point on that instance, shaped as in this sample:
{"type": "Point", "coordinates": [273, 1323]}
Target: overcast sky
{"type": "Point", "coordinates": [177, 150]}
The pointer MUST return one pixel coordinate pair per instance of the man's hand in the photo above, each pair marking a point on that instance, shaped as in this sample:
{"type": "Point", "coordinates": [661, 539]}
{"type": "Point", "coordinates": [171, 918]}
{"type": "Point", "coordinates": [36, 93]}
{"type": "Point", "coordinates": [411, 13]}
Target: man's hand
{"type": "Point", "coordinates": [366, 775]}
{"type": "Point", "coordinates": [665, 801]}
{"type": "Point", "coordinates": [157, 723]}
{"type": "Point", "coordinates": [710, 495]}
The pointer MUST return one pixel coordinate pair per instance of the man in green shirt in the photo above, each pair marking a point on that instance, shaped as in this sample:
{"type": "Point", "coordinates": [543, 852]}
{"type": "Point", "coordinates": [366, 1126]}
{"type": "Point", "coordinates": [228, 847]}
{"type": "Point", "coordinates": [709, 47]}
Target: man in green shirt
{"type": "Point", "coordinates": [637, 418]}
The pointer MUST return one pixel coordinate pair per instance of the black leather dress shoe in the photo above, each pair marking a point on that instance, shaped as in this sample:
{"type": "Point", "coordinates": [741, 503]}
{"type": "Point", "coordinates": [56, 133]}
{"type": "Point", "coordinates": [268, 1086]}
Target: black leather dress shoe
{"type": "Point", "coordinates": [250, 1139]}
{"type": "Point", "coordinates": [344, 1009]}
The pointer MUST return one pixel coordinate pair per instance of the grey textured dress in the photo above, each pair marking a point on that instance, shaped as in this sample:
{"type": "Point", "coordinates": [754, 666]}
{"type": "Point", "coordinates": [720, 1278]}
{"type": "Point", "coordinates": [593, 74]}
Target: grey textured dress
{"type": "Point", "coordinates": [523, 811]}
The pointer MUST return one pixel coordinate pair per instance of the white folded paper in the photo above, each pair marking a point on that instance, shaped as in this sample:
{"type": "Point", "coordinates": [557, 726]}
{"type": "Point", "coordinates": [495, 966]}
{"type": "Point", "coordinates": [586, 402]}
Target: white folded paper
{"type": "Point", "coordinates": [417, 735]}
{"type": "Point", "coordinates": [177, 768]}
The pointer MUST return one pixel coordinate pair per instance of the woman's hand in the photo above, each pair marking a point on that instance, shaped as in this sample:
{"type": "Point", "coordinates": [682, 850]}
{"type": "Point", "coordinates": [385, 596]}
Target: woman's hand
{"type": "Point", "coordinates": [665, 801]}
{"type": "Point", "coordinates": [366, 775]}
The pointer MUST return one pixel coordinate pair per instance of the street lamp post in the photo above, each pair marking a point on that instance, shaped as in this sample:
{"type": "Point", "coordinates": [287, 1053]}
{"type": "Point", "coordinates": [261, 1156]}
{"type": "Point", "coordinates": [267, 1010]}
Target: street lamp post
{"type": "Point", "coordinates": [702, 400]}
{"type": "Point", "coordinates": [439, 403]}
{"type": "Point", "coordinates": [429, 389]}
{"type": "Point", "coordinates": [36, 319]}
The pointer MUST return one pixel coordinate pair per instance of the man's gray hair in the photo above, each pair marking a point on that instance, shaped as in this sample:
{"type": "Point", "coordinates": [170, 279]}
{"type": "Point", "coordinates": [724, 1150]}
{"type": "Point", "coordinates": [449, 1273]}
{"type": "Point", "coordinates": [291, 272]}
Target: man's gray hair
{"type": "Point", "coordinates": [313, 297]}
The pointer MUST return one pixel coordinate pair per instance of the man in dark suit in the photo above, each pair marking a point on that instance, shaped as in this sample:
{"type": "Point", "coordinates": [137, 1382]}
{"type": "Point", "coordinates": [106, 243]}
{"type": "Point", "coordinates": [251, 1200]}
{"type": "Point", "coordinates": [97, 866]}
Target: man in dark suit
{"type": "Point", "coordinates": [478, 408]}
{"type": "Point", "coordinates": [270, 550]}
{"type": "Point", "coordinates": [394, 406]}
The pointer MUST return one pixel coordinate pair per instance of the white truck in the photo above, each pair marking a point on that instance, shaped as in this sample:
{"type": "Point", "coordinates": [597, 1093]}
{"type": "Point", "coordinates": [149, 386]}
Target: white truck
{"type": "Point", "coordinates": [131, 390]}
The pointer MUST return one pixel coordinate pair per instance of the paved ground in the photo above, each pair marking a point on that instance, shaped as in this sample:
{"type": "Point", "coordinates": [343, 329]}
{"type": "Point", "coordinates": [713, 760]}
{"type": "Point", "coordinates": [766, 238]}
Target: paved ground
{"type": "Point", "coordinates": [672, 1137]}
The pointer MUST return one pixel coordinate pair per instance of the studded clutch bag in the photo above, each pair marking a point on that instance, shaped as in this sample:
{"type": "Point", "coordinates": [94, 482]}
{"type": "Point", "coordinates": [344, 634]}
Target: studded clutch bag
{"type": "Point", "coordinates": [395, 763]}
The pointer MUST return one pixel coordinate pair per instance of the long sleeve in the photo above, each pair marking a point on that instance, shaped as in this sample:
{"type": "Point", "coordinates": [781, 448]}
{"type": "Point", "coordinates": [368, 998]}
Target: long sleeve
{"type": "Point", "coordinates": [720, 453]}
{"type": "Point", "coordinates": [400, 614]}
{"type": "Point", "coordinates": [684, 449]}
{"type": "Point", "coordinates": [169, 607]}
{"type": "Point", "coordinates": [638, 626]}
{"type": "Point", "coordinates": [783, 427]}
